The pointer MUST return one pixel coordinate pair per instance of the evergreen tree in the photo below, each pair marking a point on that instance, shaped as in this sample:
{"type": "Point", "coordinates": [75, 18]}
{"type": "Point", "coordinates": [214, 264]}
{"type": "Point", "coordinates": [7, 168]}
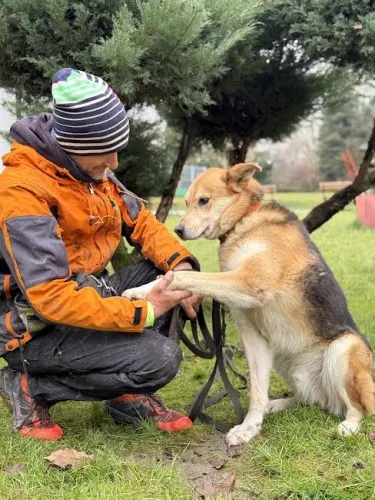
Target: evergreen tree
{"type": "Point", "coordinates": [339, 32]}
{"type": "Point", "coordinates": [146, 163]}
{"type": "Point", "coordinates": [268, 89]}
{"type": "Point", "coordinates": [151, 51]}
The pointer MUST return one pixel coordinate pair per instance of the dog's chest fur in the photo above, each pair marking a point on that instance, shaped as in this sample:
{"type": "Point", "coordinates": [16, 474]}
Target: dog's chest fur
{"type": "Point", "coordinates": [240, 244]}
{"type": "Point", "coordinates": [277, 321]}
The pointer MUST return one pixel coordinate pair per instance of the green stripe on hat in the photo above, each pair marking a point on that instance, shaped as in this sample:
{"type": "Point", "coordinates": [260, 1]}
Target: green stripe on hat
{"type": "Point", "coordinates": [68, 97]}
{"type": "Point", "coordinates": [76, 88]}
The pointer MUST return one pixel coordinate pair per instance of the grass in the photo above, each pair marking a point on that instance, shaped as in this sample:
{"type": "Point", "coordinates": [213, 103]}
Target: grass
{"type": "Point", "coordinates": [297, 455]}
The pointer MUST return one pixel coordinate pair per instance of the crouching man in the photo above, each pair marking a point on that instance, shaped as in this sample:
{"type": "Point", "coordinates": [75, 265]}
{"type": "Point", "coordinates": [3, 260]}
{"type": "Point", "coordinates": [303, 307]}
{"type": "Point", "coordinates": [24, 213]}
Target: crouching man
{"type": "Point", "coordinates": [65, 330]}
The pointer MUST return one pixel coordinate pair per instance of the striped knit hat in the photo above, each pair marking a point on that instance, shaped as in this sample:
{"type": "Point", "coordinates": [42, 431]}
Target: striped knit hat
{"type": "Point", "coordinates": [88, 117]}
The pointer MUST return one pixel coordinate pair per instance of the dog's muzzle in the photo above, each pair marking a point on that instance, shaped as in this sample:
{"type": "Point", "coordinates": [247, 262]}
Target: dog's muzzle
{"type": "Point", "coordinates": [180, 231]}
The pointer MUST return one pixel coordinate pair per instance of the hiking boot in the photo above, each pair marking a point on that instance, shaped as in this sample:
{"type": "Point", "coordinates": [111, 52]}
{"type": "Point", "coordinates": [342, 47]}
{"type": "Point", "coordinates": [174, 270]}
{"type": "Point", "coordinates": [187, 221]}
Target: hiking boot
{"type": "Point", "coordinates": [29, 418]}
{"type": "Point", "coordinates": [131, 408]}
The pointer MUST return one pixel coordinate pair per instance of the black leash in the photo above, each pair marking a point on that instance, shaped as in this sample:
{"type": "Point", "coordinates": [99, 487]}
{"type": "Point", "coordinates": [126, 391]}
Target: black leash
{"type": "Point", "coordinates": [208, 347]}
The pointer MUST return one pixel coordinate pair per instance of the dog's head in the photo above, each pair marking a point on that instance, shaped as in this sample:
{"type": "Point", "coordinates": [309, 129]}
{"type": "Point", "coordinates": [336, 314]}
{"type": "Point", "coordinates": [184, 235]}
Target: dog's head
{"type": "Point", "coordinates": [217, 200]}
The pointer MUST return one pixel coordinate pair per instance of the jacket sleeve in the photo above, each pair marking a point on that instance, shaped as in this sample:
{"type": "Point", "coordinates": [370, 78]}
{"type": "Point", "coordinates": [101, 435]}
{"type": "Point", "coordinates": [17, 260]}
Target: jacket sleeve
{"type": "Point", "coordinates": [155, 240]}
{"type": "Point", "coordinates": [31, 244]}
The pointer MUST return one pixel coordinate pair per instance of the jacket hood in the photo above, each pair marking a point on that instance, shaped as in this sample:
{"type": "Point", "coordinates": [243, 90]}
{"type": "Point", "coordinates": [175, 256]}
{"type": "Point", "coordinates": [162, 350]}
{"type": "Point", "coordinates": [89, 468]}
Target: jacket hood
{"type": "Point", "coordinates": [35, 131]}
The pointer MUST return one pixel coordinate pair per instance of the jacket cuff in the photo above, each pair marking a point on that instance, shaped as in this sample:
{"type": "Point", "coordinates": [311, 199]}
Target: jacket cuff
{"type": "Point", "coordinates": [193, 261]}
{"type": "Point", "coordinates": [178, 257]}
{"type": "Point", "coordinates": [140, 308]}
{"type": "Point", "coordinates": [150, 318]}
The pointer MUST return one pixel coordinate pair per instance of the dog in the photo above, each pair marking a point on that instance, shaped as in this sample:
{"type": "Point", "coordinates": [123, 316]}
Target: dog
{"type": "Point", "coordinates": [291, 313]}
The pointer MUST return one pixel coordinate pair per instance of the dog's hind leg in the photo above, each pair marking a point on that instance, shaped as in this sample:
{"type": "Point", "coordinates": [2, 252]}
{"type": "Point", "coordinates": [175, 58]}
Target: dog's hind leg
{"type": "Point", "coordinates": [259, 357]}
{"type": "Point", "coordinates": [280, 404]}
{"type": "Point", "coordinates": [348, 366]}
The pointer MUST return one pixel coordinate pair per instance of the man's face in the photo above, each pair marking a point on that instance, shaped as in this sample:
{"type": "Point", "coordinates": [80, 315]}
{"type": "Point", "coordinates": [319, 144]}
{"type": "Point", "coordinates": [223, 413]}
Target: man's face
{"type": "Point", "coordinates": [96, 165]}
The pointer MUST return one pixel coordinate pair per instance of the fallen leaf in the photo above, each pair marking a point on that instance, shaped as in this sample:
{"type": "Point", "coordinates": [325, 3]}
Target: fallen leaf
{"type": "Point", "coordinates": [227, 484]}
{"type": "Point", "coordinates": [15, 469]}
{"type": "Point", "coordinates": [205, 488]}
{"type": "Point", "coordinates": [218, 462]}
{"type": "Point", "coordinates": [357, 26]}
{"type": "Point", "coordinates": [68, 458]}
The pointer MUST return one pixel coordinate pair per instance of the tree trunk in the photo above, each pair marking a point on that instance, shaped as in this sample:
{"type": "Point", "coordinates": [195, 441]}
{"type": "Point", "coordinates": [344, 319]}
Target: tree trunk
{"type": "Point", "coordinates": [239, 151]}
{"type": "Point", "coordinates": [170, 189]}
{"type": "Point", "coordinates": [323, 212]}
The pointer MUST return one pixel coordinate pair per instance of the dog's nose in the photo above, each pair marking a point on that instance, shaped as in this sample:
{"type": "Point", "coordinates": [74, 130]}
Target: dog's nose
{"type": "Point", "coordinates": [179, 230]}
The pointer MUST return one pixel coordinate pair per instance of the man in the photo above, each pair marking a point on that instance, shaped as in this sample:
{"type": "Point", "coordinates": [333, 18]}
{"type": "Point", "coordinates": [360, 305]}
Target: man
{"type": "Point", "coordinates": [65, 330]}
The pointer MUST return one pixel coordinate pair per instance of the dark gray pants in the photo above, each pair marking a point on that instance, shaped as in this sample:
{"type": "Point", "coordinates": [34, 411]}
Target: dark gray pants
{"type": "Point", "coordinates": [67, 363]}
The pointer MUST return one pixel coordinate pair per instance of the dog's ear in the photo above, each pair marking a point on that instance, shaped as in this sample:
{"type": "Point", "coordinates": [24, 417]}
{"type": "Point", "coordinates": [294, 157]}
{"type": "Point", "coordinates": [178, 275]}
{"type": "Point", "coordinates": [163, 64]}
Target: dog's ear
{"type": "Point", "coordinates": [238, 177]}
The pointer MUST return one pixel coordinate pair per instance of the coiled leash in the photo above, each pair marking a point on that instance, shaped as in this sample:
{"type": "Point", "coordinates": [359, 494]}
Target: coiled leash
{"type": "Point", "coordinates": [207, 347]}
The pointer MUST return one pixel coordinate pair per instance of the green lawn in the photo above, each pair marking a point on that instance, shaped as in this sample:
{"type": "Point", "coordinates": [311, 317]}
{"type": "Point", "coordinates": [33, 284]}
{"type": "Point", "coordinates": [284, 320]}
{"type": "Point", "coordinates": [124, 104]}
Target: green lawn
{"type": "Point", "coordinates": [297, 455]}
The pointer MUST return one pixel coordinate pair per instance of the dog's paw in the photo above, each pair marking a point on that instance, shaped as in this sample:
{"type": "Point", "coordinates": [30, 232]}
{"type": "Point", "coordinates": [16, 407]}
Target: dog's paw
{"type": "Point", "coordinates": [241, 434]}
{"type": "Point", "coordinates": [133, 294]}
{"type": "Point", "coordinates": [140, 292]}
{"type": "Point", "coordinates": [348, 428]}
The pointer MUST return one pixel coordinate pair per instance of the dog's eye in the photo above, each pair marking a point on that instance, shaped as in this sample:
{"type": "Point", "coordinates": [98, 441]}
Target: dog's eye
{"type": "Point", "coordinates": [203, 201]}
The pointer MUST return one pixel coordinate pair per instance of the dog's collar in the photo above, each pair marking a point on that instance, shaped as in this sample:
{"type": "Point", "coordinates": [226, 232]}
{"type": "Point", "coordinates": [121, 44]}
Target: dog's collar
{"type": "Point", "coordinates": [254, 206]}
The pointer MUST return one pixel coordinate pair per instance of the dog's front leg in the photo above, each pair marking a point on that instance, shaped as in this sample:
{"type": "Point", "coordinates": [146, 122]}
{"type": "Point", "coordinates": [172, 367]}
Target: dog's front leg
{"type": "Point", "coordinates": [260, 358]}
{"type": "Point", "coordinates": [230, 288]}
{"type": "Point", "coordinates": [220, 286]}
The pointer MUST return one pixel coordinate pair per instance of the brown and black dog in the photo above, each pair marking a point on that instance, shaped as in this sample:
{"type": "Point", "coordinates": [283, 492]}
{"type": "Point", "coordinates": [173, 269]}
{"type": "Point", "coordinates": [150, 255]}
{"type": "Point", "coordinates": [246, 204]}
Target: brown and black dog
{"type": "Point", "coordinates": [289, 308]}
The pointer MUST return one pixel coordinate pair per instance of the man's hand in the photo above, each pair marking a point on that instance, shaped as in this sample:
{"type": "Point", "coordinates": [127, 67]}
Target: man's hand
{"type": "Point", "coordinates": [191, 304]}
{"type": "Point", "coordinates": [162, 299]}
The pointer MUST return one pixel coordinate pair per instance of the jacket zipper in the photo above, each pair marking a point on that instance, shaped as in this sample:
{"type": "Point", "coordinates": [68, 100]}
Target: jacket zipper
{"type": "Point", "coordinates": [104, 198]}
{"type": "Point", "coordinates": [92, 193]}
{"type": "Point", "coordinates": [115, 208]}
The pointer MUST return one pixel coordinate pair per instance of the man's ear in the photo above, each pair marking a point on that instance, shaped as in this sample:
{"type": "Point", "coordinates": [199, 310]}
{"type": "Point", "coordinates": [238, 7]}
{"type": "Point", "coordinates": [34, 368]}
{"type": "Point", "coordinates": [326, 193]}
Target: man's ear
{"type": "Point", "coordinates": [238, 177]}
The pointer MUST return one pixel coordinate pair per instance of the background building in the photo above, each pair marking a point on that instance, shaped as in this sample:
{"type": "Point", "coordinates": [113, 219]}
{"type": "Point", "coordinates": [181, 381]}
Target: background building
{"type": "Point", "coordinates": [189, 173]}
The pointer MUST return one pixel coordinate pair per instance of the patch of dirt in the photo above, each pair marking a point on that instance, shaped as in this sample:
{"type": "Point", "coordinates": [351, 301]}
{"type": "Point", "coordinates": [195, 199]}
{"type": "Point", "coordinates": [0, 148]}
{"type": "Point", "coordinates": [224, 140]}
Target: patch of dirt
{"type": "Point", "coordinates": [15, 469]}
{"type": "Point", "coordinates": [204, 467]}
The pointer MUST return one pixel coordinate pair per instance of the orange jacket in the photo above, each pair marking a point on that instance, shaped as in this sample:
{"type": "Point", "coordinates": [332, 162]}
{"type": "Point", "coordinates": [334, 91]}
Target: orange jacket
{"type": "Point", "coordinates": [53, 226]}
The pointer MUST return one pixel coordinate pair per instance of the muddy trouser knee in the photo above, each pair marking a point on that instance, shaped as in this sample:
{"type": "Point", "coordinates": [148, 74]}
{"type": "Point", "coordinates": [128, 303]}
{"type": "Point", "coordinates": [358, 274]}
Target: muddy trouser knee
{"type": "Point", "coordinates": [68, 363]}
